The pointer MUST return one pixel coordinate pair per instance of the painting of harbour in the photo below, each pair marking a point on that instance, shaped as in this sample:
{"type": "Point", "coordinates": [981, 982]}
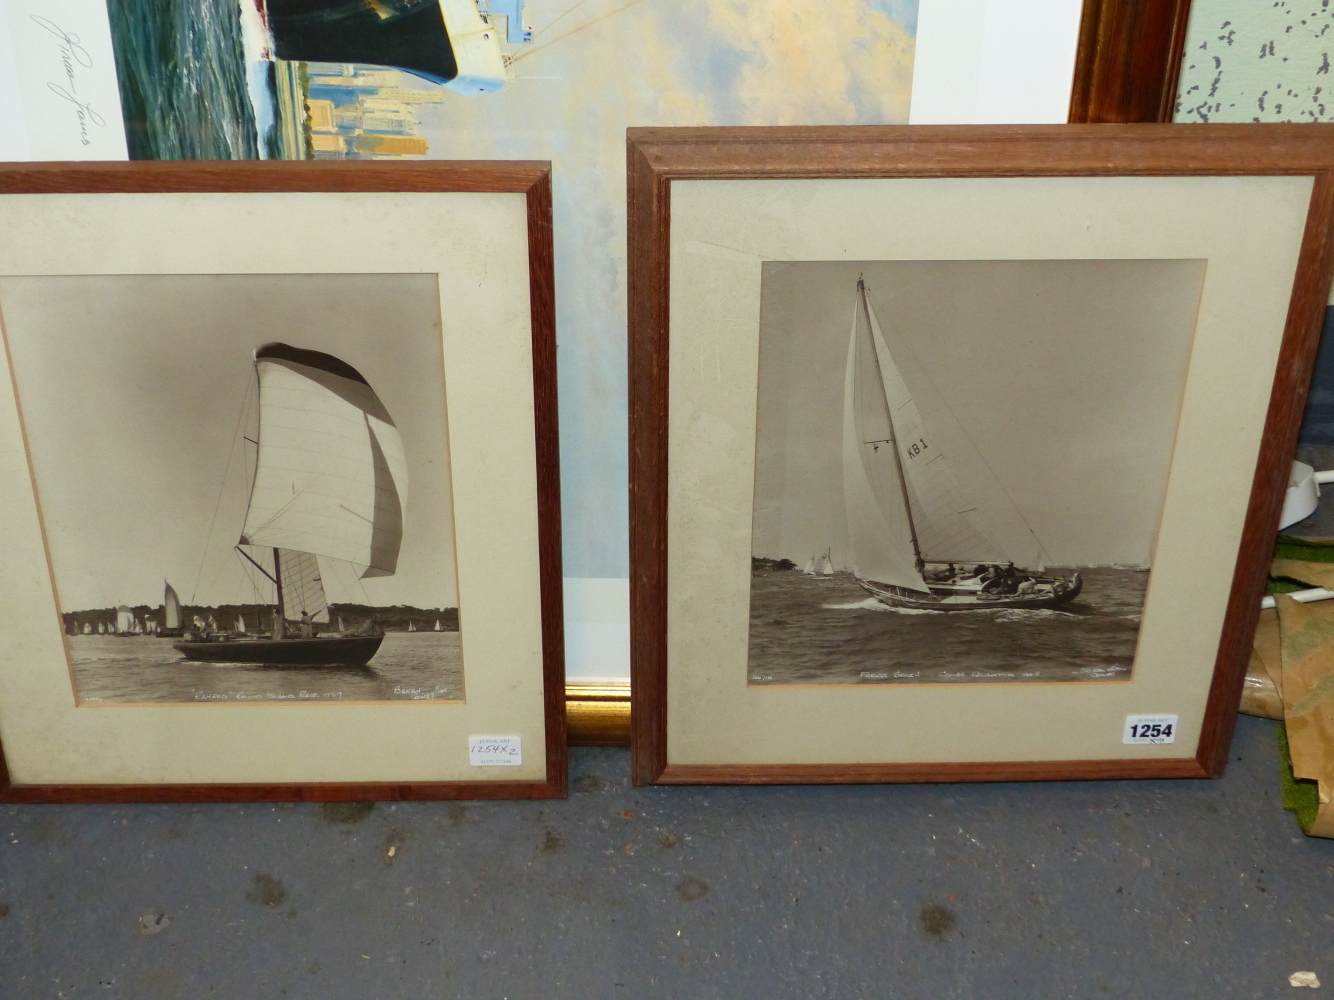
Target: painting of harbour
{"type": "Point", "coordinates": [960, 467]}
{"type": "Point", "coordinates": [231, 517]}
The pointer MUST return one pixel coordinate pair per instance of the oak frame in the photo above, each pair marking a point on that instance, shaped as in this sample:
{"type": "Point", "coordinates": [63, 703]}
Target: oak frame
{"type": "Point", "coordinates": [533, 180]}
{"type": "Point", "coordinates": [657, 157]}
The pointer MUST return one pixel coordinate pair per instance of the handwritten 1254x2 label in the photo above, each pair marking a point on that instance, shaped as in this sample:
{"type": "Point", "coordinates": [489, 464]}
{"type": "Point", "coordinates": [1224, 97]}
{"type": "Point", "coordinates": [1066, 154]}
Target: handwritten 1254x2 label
{"type": "Point", "coordinates": [495, 751]}
{"type": "Point", "coordinates": [1150, 729]}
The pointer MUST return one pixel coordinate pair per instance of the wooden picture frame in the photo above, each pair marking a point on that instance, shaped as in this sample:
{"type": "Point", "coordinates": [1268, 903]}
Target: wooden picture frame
{"type": "Point", "coordinates": [1128, 61]}
{"type": "Point", "coordinates": [454, 225]}
{"type": "Point", "coordinates": [695, 192]}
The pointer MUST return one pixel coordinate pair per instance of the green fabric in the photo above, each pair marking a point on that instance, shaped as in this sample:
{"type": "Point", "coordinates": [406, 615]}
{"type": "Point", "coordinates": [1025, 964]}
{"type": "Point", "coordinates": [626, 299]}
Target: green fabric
{"type": "Point", "coordinates": [1284, 585]}
{"type": "Point", "coordinates": [1300, 795]}
{"type": "Point", "coordinates": [1303, 549]}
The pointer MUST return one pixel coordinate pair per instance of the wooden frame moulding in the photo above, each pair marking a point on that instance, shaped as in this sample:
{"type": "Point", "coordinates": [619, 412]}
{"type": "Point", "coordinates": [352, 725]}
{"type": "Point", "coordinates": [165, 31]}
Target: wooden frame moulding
{"type": "Point", "coordinates": [529, 178]}
{"type": "Point", "coordinates": [1128, 61]}
{"type": "Point", "coordinates": [659, 157]}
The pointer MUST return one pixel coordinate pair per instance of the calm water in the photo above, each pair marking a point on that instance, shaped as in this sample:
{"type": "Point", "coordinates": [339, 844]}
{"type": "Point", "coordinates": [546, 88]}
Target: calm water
{"type": "Point", "coordinates": [807, 630]}
{"type": "Point", "coordinates": [183, 83]}
{"type": "Point", "coordinates": [410, 666]}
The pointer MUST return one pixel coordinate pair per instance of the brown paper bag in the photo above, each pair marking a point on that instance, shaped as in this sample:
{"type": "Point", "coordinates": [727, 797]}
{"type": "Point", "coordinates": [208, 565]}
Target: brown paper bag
{"type": "Point", "coordinates": [1261, 694]}
{"type": "Point", "coordinates": [1307, 685]}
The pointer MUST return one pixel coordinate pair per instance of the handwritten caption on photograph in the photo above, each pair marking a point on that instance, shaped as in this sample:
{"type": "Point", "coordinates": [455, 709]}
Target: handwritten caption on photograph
{"type": "Point", "coordinates": [1150, 729]}
{"type": "Point", "coordinates": [495, 751]}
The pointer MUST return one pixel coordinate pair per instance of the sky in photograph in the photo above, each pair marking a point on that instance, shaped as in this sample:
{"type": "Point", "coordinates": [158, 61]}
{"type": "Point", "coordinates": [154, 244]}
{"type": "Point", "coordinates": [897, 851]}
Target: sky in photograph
{"type": "Point", "coordinates": [1052, 386]}
{"type": "Point", "coordinates": [136, 394]}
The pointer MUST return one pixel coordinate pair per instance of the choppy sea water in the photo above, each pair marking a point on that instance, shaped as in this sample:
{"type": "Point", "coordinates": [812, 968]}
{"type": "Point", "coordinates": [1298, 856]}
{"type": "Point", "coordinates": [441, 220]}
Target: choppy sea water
{"type": "Point", "coordinates": [810, 630]}
{"type": "Point", "coordinates": [410, 666]}
{"type": "Point", "coordinates": [184, 88]}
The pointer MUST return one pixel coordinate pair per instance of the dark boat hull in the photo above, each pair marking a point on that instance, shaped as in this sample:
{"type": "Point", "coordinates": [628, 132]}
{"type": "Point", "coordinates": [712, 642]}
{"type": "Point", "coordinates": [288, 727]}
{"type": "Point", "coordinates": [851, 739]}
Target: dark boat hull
{"type": "Point", "coordinates": [332, 651]}
{"type": "Point", "coordinates": [900, 597]}
{"type": "Point", "coordinates": [351, 31]}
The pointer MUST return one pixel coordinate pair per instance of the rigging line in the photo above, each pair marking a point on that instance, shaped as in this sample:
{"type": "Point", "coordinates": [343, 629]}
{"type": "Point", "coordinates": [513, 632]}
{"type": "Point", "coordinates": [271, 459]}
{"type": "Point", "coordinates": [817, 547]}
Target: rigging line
{"type": "Point", "coordinates": [563, 14]}
{"type": "Point", "coordinates": [276, 514]}
{"type": "Point", "coordinates": [254, 472]}
{"type": "Point", "coordinates": [222, 488]}
{"type": "Point", "coordinates": [574, 31]}
{"type": "Point", "coordinates": [1042, 549]}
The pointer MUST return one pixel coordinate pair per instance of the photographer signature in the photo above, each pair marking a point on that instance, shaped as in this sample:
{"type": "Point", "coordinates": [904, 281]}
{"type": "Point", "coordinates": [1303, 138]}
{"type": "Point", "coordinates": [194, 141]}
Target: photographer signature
{"type": "Point", "coordinates": [72, 55]}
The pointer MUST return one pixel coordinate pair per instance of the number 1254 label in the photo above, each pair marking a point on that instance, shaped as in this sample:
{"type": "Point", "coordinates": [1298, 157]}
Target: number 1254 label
{"type": "Point", "coordinates": [1150, 729]}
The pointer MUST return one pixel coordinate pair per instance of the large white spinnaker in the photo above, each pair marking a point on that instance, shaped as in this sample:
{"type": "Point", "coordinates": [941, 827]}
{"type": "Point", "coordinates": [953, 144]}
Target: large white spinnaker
{"type": "Point", "coordinates": [944, 515]}
{"type": "Point", "coordinates": [331, 476]}
{"type": "Point", "coordinates": [879, 528]}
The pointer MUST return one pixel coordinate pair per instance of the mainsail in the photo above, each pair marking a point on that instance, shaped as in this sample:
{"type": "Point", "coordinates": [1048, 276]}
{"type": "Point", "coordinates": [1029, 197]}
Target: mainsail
{"type": "Point", "coordinates": [303, 589]}
{"type": "Point", "coordinates": [124, 619]}
{"type": "Point", "coordinates": [880, 532]}
{"type": "Point", "coordinates": [172, 603]}
{"type": "Point", "coordinates": [331, 476]}
{"type": "Point", "coordinates": [942, 512]}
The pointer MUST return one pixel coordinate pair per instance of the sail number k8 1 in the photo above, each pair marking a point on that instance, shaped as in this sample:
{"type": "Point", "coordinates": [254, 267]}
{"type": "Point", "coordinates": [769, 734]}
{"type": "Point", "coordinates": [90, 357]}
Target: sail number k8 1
{"type": "Point", "coordinates": [916, 448]}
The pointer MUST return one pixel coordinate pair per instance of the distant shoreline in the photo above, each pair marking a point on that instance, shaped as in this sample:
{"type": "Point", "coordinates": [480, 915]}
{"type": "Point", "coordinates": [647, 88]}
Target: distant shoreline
{"type": "Point", "coordinates": [392, 618]}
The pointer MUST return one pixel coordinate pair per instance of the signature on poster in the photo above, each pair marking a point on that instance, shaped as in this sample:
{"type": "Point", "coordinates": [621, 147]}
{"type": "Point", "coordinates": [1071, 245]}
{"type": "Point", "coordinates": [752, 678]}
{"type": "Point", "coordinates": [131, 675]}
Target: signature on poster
{"type": "Point", "coordinates": [72, 55]}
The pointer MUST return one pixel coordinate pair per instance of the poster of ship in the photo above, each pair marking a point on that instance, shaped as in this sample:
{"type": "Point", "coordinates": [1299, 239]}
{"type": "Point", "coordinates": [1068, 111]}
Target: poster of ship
{"type": "Point", "coordinates": [243, 482]}
{"type": "Point", "coordinates": [556, 80]}
{"type": "Point", "coordinates": [960, 467]}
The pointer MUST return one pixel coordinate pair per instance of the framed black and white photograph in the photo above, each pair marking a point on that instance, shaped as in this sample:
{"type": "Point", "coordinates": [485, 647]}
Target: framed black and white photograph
{"type": "Point", "coordinates": [957, 452]}
{"type": "Point", "coordinates": [961, 436]}
{"type": "Point", "coordinates": [320, 563]}
{"type": "Point", "coordinates": [259, 406]}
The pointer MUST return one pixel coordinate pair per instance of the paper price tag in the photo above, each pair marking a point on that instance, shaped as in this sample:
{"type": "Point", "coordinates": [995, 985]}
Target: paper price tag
{"type": "Point", "coordinates": [495, 751]}
{"type": "Point", "coordinates": [1150, 729]}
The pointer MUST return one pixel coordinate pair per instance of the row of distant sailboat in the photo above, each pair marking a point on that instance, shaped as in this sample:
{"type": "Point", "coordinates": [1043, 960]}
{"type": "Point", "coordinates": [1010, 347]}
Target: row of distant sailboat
{"type": "Point", "coordinates": [168, 622]}
{"type": "Point", "coordinates": [820, 565]}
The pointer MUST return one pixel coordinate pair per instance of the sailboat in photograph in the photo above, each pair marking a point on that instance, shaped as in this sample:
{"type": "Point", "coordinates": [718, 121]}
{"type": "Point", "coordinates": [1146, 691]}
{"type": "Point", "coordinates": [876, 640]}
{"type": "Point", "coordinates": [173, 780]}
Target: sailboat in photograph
{"type": "Point", "coordinates": [330, 483]}
{"type": "Point", "coordinates": [913, 532]}
{"type": "Point", "coordinates": [171, 612]}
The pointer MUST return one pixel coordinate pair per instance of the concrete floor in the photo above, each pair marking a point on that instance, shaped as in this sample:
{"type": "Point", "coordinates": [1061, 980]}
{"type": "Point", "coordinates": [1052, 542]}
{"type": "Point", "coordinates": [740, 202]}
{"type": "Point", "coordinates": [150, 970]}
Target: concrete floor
{"type": "Point", "coordinates": [1110, 889]}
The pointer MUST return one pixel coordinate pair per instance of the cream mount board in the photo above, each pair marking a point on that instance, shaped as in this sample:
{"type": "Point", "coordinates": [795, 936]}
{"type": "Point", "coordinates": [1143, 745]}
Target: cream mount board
{"type": "Point", "coordinates": [474, 248]}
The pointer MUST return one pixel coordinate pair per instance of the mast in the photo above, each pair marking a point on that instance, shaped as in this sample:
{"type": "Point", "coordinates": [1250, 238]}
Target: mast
{"type": "Point", "coordinates": [278, 581]}
{"type": "Point", "coordinates": [893, 440]}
